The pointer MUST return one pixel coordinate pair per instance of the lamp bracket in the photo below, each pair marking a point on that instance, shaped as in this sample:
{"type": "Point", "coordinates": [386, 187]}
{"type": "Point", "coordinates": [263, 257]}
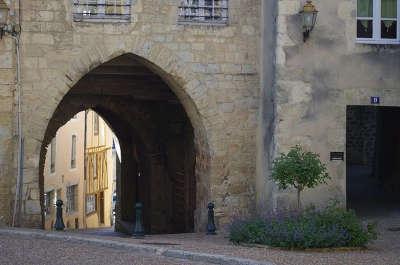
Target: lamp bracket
{"type": "Point", "coordinates": [12, 29]}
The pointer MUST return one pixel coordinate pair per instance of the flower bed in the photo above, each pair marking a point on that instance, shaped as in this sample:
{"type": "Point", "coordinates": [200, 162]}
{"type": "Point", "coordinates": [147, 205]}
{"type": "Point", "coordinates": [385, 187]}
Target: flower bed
{"type": "Point", "coordinates": [330, 228]}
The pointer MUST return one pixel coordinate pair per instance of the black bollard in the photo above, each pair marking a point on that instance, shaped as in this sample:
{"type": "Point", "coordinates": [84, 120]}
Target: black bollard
{"type": "Point", "coordinates": [211, 225]}
{"type": "Point", "coordinates": [59, 226]}
{"type": "Point", "coordinates": [138, 232]}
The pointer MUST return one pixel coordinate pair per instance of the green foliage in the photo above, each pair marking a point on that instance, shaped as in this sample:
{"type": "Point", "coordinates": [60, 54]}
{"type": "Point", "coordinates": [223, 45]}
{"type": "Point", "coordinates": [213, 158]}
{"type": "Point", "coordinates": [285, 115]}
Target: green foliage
{"type": "Point", "coordinates": [299, 169]}
{"type": "Point", "coordinates": [332, 227]}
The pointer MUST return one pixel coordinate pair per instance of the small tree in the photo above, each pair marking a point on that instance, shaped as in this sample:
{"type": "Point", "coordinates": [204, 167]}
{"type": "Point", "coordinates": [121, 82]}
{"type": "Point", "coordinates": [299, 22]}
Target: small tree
{"type": "Point", "coordinates": [299, 169]}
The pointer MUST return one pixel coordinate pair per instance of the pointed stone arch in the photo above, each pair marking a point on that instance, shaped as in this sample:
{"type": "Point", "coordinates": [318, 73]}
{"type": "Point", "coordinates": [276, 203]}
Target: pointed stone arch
{"type": "Point", "coordinates": [176, 74]}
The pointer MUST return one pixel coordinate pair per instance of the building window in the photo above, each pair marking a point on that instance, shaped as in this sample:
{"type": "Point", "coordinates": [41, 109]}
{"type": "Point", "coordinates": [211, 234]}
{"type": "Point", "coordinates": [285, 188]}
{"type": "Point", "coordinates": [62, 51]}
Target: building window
{"type": "Point", "coordinates": [91, 203]}
{"type": "Point", "coordinates": [95, 124]}
{"type": "Point", "coordinates": [73, 151]}
{"type": "Point", "coordinates": [53, 155]}
{"type": "Point", "coordinates": [203, 11]}
{"type": "Point", "coordinates": [102, 10]}
{"type": "Point", "coordinates": [49, 202]}
{"type": "Point", "coordinates": [95, 166]}
{"type": "Point", "coordinates": [58, 195]}
{"type": "Point", "coordinates": [378, 21]}
{"type": "Point", "coordinates": [72, 198]}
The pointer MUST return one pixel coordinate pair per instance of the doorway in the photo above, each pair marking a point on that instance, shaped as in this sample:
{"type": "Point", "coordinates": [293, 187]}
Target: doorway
{"type": "Point", "coordinates": [373, 159]}
{"type": "Point", "coordinates": [156, 140]}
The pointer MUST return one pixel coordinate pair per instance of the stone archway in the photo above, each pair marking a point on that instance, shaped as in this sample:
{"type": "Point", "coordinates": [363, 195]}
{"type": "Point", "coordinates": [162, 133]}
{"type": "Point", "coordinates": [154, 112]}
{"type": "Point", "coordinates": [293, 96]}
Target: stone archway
{"type": "Point", "coordinates": [102, 101]}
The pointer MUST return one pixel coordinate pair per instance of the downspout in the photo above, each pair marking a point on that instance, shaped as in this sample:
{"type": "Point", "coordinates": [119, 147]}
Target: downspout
{"type": "Point", "coordinates": [18, 187]}
{"type": "Point", "coordinates": [84, 171]}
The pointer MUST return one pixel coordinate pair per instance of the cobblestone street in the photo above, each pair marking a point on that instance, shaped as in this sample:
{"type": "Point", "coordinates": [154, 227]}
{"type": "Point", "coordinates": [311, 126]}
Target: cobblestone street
{"type": "Point", "coordinates": [103, 246]}
{"type": "Point", "coordinates": [17, 250]}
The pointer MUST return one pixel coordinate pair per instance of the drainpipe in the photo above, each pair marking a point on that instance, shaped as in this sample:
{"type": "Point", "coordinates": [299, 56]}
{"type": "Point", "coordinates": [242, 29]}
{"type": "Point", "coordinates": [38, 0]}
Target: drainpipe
{"type": "Point", "coordinates": [18, 187]}
{"type": "Point", "coordinates": [20, 153]}
{"type": "Point", "coordinates": [84, 170]}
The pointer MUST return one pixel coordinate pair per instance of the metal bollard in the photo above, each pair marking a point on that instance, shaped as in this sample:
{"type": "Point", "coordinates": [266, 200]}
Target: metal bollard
{"type": "Point", "coordinates": [211, 225]}
{"type": "Point", "coordinates": [138, 232]}
{"type": "Point", "coordinates": [59, 225]}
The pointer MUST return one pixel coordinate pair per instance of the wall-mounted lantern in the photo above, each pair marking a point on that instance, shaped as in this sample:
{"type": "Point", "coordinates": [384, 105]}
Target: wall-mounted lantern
{"type": "Point", "coordinates": [4, 27]}
{"type": "Point", "coordinates": [309, 17]}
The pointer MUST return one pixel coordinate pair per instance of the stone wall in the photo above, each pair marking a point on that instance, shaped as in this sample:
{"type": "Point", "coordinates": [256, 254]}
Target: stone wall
{"type": "Point", "coordinates": [212, 70]}
{"type": "Point", "coordinates": [318, 78]}
{"type": "Point", "coordinates": [7, 125]}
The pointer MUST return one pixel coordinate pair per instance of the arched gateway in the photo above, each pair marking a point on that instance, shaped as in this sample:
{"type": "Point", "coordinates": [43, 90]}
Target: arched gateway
{"type": "Point", "coordinates": [164, 153]}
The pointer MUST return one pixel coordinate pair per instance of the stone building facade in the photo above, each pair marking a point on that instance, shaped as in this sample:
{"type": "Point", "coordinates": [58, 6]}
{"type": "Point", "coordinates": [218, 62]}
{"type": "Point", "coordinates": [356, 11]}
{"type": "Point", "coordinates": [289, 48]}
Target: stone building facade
{"type": "Point", "coordinates": [211, 69]}
{"type": "Point", "coordinates": [251, 88]}
{"type": "Point", "coordinates": [314, 83]}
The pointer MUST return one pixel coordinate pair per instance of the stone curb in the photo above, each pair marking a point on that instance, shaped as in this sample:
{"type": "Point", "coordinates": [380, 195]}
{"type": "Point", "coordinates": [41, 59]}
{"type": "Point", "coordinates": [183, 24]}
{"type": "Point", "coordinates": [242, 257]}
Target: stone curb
{"type": "Point", "coordinates": [150, 250]}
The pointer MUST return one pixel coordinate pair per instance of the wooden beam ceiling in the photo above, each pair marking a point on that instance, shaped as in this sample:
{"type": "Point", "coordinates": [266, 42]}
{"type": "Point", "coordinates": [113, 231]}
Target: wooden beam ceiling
{"type": "Point", "coordinates": [124, 76]}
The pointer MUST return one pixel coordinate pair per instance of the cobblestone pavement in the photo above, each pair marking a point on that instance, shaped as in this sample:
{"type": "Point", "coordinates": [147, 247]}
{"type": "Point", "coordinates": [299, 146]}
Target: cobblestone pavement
{"type": "Point", "coordinates": [384, 251]}
{"type": "Point", "coordinates": [18, 250]}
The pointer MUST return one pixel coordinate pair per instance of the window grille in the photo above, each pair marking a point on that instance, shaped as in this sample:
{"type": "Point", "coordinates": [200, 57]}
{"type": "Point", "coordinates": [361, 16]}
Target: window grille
{"type": "Point", "coordinates": [72, 198]}
{"type": "Point", "coordinates": [91, 203]}
{"type": "Point", "coordinates": [102, 10]}
{"type": "Point", "coordinates": [49, 202]}
{"type": "Point", "coordinates": [58, 194]}
{"type": "Point", "coordinates": [203, 11]}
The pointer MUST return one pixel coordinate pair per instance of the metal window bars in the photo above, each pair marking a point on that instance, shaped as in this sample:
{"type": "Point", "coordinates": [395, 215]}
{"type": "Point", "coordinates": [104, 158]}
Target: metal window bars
{"type": "Point", "coordinates": [203, 11]}
{"type": "Point", "coordinates": [102, 10]}
{"type": "Point", "coordinates": [72, 198]}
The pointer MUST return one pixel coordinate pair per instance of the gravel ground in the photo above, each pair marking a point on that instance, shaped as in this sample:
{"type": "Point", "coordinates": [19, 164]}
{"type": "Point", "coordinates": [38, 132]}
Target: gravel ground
{"type": "Point", "coordinates": [17, 250]}
{"type": "Point", "coordinates": [384, 251]}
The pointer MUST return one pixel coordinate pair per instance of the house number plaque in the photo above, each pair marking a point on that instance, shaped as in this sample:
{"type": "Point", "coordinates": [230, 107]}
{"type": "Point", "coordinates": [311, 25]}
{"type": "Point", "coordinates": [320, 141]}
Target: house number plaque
{"type": "Point", "coordinates": [375, 100]}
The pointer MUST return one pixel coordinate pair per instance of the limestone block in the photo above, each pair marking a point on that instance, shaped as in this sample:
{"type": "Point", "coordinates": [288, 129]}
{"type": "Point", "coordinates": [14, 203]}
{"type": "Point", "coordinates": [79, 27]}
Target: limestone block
{"type": "Point", "coordinates": [41, 38]}
{"type": "Point", "coordinates": [32, 207]}
{"type": "Point", "coordinates": [288, 7]}
{"type": "Point", "coordinates": [7, 76]}
{"type": "Point", "coordinates": [6, 44]}
{"type": "Point", "coordinates": [44, 16]}
{"type": "Point", "coordinates": [6, 104]}
{"type": "Point", "coordinates": [6, 60]}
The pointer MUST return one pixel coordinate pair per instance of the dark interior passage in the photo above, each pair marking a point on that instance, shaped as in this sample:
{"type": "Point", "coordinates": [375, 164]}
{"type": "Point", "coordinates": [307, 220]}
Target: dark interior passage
{"type": "Point", "coordinates": [156, 139]}
{"type": "Point", "coordinates": [373, 159]}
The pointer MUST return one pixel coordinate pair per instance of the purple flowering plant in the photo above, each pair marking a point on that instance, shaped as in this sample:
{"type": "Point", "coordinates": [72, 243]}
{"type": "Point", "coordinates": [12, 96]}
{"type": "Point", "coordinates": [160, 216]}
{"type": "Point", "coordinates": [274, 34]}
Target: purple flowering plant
{"type": "Point", "coordinates": [330, 227]}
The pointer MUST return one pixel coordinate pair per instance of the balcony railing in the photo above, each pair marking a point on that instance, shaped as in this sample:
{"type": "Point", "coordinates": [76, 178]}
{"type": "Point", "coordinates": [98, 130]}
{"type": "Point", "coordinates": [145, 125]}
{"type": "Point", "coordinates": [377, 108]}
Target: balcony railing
{"type": "Point", "coordinates": [102, 10]}
{"type": "Point", "coordinates": [203, 12]}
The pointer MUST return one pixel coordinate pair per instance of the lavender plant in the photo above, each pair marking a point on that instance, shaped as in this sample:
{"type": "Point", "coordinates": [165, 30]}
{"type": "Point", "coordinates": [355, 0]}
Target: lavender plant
{"type": "Point", "coordinates": [330, 227]}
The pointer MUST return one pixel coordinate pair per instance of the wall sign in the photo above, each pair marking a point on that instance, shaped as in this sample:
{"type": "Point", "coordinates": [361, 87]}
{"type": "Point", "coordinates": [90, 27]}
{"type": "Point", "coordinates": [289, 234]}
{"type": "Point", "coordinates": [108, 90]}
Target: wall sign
{"type": "Point", "coordinates": [337, 156]}
{"type": "Point", "coordinates": [375, 100]}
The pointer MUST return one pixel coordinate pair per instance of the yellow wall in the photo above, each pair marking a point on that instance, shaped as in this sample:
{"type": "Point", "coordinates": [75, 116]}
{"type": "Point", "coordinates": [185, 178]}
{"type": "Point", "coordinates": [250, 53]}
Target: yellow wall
{"type": "Point", "coordinates": [104, 138]}
{"type": "Point", "coordinates": [64, 176]}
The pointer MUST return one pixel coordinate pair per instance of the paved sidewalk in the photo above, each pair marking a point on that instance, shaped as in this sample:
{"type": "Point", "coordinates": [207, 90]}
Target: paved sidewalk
{"type": "Point", "coordinates": [141, 247]}
{"type": "Point", "coordinates": [384, 251]}
{"type": "Point", "coordinates": [24, 250]}
{"type": "Point", "coordinates": [218, 250]}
